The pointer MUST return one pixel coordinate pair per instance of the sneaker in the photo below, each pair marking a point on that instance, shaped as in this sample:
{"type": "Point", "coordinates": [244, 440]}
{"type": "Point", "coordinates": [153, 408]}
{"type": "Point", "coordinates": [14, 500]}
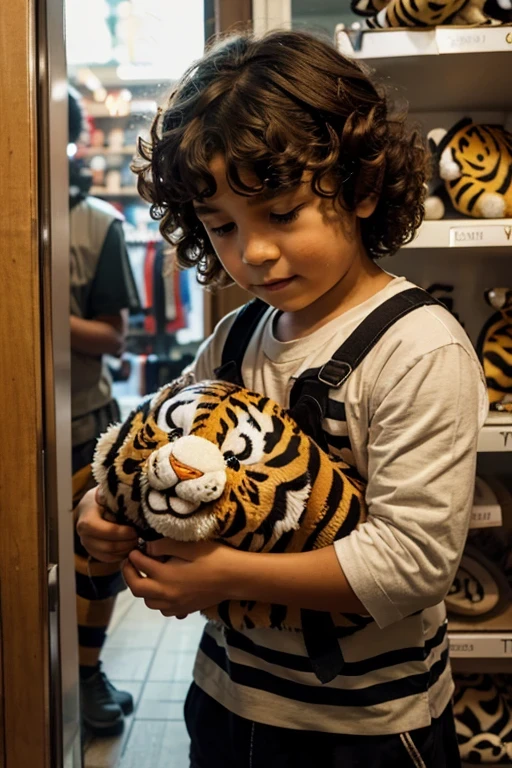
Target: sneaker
{"type": "Point", "coordinates": [101, 713]}
{"type": "Point", "coordinates": [123, 698]}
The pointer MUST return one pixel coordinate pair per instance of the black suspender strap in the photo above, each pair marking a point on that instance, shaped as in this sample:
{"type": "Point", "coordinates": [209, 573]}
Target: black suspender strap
{"type": "Point", "coordinates": [310, 393]}
{"type": "Point", "coordinates": [308, 400]}
{"type": "Point", "coordinates": [367, 334]}
{"type": "Point", "coordinates": [238, 339]}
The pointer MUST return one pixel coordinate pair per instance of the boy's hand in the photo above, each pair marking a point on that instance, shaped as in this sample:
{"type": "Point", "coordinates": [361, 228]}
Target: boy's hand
{"type": "Point", "coordinates": [107, 542]}
{"type": "Point", "coordinates": [195, 577]}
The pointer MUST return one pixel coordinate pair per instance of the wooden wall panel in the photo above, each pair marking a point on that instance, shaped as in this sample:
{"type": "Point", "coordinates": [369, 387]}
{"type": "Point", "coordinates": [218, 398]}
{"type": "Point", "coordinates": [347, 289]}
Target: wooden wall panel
{"type": "Point", "coordinates": [227, 14]}
{"type": "Point", "coordinates": [23, 610]}
{"type": "Point", "coordinates": [232, 12]}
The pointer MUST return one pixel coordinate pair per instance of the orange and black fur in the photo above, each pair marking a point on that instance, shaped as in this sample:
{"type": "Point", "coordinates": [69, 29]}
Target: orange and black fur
{"type": "Point", "coordinates": [495, 349]}
{"type": "Point", "coordinates": [215, 461]}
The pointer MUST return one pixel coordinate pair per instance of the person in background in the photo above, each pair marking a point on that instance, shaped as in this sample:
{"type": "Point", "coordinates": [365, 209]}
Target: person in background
{"type": "Point", "coordinates": [103, 292]}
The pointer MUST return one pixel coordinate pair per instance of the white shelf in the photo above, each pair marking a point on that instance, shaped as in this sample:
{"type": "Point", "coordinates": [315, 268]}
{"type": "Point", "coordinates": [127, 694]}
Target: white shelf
{"type": "Point", "coordinates": [496, 435]}
{"type": "Point", "coordinates": [480, 645]}
{"type": "Point", "coordinates": [123, 192]}
{"type": "Point", "coordinates": [464, 233]}
{"type": "Point", "coordinates": [430, 67]}
{"type": "Point", "coordinates": [93, 151]}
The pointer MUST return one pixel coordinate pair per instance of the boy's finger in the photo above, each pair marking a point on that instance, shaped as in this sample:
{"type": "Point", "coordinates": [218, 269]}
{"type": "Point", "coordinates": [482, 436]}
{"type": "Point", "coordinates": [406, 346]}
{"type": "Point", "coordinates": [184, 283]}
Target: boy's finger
{"type": "Point", "coordinates": [185, 550]}
{"type": "Point", "coordinates": [92, 525]}
{"type": "Point", "coordinates": [100, 497]}
{"type": "Point", "coordinates": [140, 586]}
{"type": "Point", "coordinates": [148, 565]}
{"type": "Point", "coordinates": [120, 548]}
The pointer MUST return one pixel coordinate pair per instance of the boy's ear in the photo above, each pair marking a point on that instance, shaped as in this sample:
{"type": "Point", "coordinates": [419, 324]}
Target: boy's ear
{"type": "Point", "coordinates": [366, 207]}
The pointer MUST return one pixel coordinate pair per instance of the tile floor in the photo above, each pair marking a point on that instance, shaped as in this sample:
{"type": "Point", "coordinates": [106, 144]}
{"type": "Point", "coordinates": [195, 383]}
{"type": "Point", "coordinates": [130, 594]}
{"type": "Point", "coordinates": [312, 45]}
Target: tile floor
{"type": "Point", "coordinates": [152, 657]}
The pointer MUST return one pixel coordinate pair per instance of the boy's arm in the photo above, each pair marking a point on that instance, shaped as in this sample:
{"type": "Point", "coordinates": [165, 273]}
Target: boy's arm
{"type": "Point", "coordinates": [421, 471]}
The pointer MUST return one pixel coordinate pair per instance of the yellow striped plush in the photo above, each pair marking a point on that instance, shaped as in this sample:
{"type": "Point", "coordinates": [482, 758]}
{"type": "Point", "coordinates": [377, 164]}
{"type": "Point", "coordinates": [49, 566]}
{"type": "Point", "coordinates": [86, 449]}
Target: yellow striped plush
{"type": "Point", "coordinates": [215, 461]}
{"type": "Point", "coordinates": [495, 349]}
{"type": "Point", "coordinates": [475, 162]}
{"type": "Point", "coordinates": [383, 14]}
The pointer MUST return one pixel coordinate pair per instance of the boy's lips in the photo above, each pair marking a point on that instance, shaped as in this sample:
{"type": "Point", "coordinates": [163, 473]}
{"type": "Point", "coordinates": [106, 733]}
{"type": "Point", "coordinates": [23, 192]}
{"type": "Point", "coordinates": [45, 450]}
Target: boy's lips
{"type": "Point", "coordinates": [275, 285]}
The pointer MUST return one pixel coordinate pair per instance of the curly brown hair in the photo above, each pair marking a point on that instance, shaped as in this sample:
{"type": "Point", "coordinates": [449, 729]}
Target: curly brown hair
{"type": "Point", "coordinates": [280, 106]}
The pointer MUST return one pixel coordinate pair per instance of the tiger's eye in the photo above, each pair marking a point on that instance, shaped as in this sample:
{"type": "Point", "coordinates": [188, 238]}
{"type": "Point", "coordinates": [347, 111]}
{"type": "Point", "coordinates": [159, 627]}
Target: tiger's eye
{"type": "Point", "coordinates": [232, 461]}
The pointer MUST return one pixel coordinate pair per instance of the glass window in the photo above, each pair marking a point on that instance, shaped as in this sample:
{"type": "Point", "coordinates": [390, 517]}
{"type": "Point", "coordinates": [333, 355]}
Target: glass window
{"type": "Point", "coordinates": [123, 57]}
{"type": "Point", "coordinates": [322, 15]}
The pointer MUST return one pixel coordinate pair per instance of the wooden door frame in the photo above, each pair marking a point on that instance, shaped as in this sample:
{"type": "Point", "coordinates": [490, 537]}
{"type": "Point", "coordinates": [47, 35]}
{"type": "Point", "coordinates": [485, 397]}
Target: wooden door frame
{"type": "Point", "coordinates": [25, 722]}
{"type": "Point", "coordinates": [222, 16]}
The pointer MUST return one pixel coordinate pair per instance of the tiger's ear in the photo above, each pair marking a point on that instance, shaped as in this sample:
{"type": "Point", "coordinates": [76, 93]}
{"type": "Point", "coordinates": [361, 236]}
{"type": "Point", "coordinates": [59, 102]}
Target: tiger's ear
{"type": "Point", "coordinates": [435, 137]}
{"type": "Point", "coordinates": [103, 446]}
{"type": "Point", "coordinates": [185, 380]}
{"type": "Point", "coordinates": [448, 168]}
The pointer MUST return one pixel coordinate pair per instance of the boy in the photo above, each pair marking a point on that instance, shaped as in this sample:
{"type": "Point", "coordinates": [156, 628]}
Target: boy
{"type": "Point", "coordinates": [277, 166]}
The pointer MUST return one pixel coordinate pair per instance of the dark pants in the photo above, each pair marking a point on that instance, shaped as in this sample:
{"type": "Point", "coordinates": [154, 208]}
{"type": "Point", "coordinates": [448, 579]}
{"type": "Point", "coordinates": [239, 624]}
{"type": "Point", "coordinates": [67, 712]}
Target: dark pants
{"type": "Point", "coordinates": [220, 739]}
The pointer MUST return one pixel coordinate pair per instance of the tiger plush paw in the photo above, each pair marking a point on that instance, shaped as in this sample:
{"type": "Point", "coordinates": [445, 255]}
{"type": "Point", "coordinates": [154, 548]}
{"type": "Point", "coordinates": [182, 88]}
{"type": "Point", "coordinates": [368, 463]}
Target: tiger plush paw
{"type": "Point", "coordinates": [492, 206]}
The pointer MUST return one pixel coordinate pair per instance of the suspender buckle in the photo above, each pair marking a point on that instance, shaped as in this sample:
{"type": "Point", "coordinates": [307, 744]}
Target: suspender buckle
{"type": "Point", "coordinates": [334, 373]}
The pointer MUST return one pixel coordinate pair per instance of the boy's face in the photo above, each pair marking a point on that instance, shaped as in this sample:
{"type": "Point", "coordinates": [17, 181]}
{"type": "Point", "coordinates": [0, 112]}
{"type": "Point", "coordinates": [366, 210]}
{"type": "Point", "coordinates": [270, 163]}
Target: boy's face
{"type": "Point", "coordinates": [290, 249]}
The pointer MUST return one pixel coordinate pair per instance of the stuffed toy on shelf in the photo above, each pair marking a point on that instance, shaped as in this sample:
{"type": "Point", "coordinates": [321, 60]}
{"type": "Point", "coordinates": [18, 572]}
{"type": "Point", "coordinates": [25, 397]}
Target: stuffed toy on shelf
{"type": "Point", "coordinates": [436, 197]}
{"type": "Point", "coordinates": [383, 14]}
{"type": "Point", "coordinates": [214, 461]}
{"type": "Point", "coordinates": [483, 719]}
{"type": "Point", "coordinates": [474, 162]}
{"type": "Point", "coordinates": [494, 348]}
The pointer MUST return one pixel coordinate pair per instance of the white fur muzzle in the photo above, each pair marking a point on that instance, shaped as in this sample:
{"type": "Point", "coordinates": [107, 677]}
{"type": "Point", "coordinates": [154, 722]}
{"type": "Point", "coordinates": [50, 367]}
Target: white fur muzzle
{"type": "Point", "coordinates": [179, 478]}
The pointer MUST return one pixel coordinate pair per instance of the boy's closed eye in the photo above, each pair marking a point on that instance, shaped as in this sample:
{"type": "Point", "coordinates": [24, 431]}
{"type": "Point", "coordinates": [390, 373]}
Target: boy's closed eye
{"type": "Point", "coordinates": [277, 218]}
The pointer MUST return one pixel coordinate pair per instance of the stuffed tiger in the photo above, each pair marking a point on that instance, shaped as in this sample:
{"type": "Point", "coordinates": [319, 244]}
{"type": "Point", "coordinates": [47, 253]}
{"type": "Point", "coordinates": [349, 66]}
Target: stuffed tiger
{"type": "Point", "coordinates": [494, 348]}
{"type": "Point", "coordinates": [215, 461]}
{"type": "Point", "coordinates": [475, 162]}
{"type": "Point", "coordinates": [483, 719]}
{"type": "Point", "coordinates": [383, 14]}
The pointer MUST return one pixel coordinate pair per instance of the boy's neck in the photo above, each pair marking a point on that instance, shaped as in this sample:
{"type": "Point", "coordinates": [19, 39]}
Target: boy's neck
{"type": "Point", "coordinates": [361, 282]}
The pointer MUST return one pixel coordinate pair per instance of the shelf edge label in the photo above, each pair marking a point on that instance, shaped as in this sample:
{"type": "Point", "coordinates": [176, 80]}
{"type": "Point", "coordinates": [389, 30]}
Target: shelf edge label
{"type": "Point", "coordinates": [466, 40]}
{"type": "Point", "coordinates": [490, 646]}
{"type": "Point", "coordinates": [481, 236]}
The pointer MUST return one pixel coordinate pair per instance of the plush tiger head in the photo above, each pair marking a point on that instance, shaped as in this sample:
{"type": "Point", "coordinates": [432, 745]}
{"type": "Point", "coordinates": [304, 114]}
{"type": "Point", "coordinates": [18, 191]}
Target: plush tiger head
{"type": "Point", "coordinates": [205, 461]}
{"type": "Point", "coordinates": [470, 150]}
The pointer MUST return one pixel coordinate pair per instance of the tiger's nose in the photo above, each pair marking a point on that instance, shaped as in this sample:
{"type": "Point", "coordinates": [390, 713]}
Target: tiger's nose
{"type": "Point", "coordinates": [183, 471]}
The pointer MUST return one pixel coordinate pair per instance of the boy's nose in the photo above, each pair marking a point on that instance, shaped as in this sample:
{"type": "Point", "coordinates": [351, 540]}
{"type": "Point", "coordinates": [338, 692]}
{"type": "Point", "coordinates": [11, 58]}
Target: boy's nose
{"type": "Point", "coordinates": [258, 250]}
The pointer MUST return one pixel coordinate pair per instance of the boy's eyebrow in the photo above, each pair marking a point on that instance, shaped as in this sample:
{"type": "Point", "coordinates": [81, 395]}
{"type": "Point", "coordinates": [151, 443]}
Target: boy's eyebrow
{"type": "Point", "coordinates": [201, 209]}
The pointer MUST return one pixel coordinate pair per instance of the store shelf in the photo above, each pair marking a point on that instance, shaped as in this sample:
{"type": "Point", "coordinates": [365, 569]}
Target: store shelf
{"type": "Point", "coordinates": [93, 151]}
{"type": "Point", "coordinates": [481, 645]}
{"type": "Point", "coordinates": [496, 435]}
{"type": "Point", "coordinates": [123, 192]}
{"type": "Point", "coordinates": [464, 233]}
{"type": "Point", "coordinates": [446, 55]}
{"type": "Point", "coordinates": [138, 108]}
{"type": "Point", "coordinates": [491, 639]}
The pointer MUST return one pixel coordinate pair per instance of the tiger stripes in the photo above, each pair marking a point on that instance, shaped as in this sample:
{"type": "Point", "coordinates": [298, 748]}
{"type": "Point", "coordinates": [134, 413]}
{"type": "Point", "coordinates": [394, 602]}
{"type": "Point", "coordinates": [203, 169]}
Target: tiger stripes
{"type": "Point", "coordinates": [482, 708]}
{"type": "Point", "coordinates": [495, 349]}
{"type": "Point", "coordinates": [283, 493]}
{"type": "Point", "coordinates": [408, 13]}
{"type": "Point", "coordinates": [476, 164]}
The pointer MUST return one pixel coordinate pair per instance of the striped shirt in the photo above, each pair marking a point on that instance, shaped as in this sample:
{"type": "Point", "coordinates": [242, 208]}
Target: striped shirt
{"type": "Point", "coordinates": [408, 418]}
